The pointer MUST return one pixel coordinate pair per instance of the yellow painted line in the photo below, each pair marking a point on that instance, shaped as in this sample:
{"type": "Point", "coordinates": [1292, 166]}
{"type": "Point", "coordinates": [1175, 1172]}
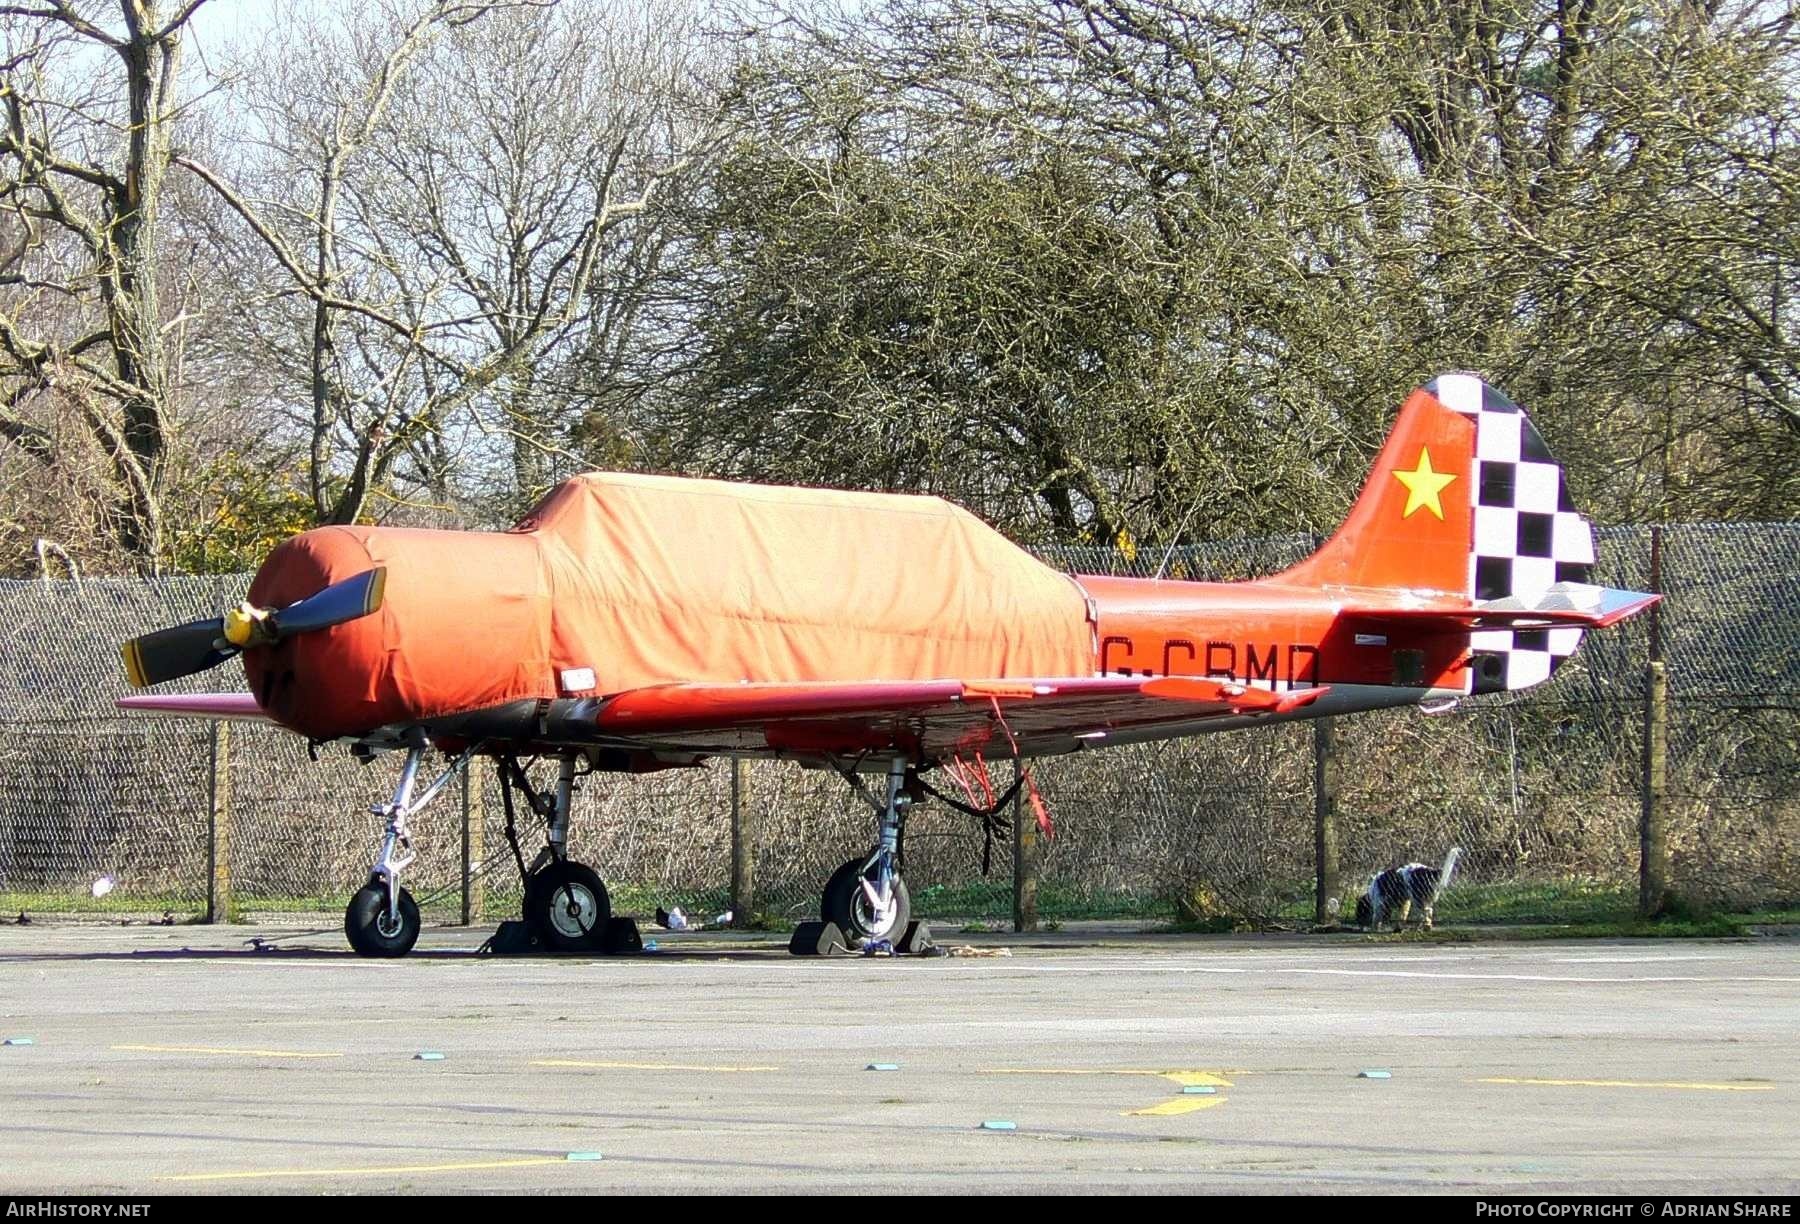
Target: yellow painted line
{"type": "Point", "coordinates": [160, 1049]}
{"type": "Point", "coordinates": [1175, 1105]}
{"type": "Point", "coordinates": [632, 1066]}
{"type": "Point", "coordinates": [1574, 1083]}
{"type": "Point", "coordinates": [250, 1174]}
{"type": "Point", "coordinates": [1213, 1079]}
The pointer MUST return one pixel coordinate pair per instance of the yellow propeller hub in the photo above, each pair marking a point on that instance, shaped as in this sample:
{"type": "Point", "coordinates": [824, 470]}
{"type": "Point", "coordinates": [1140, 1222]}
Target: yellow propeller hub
{"type": "Point", "coordinates": [247, 625]}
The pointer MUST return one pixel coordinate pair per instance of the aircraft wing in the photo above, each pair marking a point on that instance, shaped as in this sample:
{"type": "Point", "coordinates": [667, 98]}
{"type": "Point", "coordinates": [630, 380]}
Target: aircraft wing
{"type": "Point", "coordinates": [935, 718]}
{"type": "Point", "coordinates": [237, 706]}
{"type": "Point", "coordinates": [932, 718]}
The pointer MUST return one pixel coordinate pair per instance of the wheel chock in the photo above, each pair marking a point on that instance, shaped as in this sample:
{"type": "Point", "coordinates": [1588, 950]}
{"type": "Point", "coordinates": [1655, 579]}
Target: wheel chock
{"type": "Point", "coordinates": [514, 938]}
{"type": "Point", "coordinates": [817, 939]}
{"type": "Point", "coordinates": [621, 938]}
{"type": "Point", "coordinates": [917, 940]}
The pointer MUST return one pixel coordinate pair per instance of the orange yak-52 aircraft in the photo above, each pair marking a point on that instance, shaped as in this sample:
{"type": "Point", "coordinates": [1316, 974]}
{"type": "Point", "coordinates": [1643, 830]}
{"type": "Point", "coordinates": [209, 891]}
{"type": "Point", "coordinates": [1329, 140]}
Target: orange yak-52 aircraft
{"type": "Point", "coordinates": [633, 623]}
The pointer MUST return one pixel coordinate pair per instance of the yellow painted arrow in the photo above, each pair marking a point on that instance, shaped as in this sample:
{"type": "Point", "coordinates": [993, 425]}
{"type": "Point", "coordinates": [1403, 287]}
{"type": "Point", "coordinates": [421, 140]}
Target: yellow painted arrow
{"type": "Point", "coordinates": [1174, 1106]}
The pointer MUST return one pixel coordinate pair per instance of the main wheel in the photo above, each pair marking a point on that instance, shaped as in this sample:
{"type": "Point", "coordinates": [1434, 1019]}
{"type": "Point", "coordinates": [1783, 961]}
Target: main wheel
{"type": "Point", "coordinates": [568, 906]}
{"type": "Point", "coordinates": [370, 929]}
{"type": "Point", "coordinates": [846, 904]}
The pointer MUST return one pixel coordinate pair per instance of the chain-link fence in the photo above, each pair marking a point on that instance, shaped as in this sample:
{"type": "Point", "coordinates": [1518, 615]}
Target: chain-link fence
{"type": "Point", "coordinates": [1542, 790]}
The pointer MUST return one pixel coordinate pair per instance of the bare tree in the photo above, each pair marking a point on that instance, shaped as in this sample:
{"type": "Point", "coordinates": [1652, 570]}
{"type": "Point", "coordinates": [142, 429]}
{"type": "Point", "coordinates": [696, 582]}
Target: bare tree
{"type": "Point", "coordinates": [446, 191]}
{"type": "Point", "coordinates": [84, 154]}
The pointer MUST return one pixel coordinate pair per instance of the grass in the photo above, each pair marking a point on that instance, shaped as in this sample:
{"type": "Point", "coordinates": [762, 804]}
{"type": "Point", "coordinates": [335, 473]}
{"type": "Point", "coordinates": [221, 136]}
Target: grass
{"type": "Point", "coordinates": [1574, 901]}
{"type": "Point", "coordinates": [1571, 909]}
{"type": "Point", "coordinates": [1770, 916]}
{"type": "Point", "coordinates": [13, 903]}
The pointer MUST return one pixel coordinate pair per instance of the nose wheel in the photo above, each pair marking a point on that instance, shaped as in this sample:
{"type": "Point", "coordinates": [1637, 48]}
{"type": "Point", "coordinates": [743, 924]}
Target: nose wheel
{"type": "Point", "coordinates": [376, 929]}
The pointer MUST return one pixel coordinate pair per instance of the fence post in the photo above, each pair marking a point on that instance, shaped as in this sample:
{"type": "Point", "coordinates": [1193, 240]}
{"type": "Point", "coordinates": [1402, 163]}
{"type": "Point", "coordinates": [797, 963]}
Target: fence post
{"type": "Point", "coordinates": [474, 846]}
{"type": "Point", "coordinates": [1653, 845]}
{"type": "Point", "coordinates": [1025, 864]}
{"type": "Point", "coordinates": [221, 906]}
{"type": "Point", "coordinates": [1325, 839]}
{"type": "Point", "coordinates": [743, 850]}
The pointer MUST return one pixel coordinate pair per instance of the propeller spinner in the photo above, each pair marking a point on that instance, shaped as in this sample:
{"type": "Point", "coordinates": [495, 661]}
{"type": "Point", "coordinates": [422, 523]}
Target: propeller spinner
{"type": "Point", "coordinates": [182, 650]}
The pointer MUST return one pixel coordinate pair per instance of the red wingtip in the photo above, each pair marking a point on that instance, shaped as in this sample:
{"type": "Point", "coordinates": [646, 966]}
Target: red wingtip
{"type": "Point", "coordinates": [1300, 697]}
{"type": "Point", "coordinates": [1614, 615]}
{"type": "Point", "coordinates": [195, 705]}
{"type": "Point", "coordinates": [1239, 697]}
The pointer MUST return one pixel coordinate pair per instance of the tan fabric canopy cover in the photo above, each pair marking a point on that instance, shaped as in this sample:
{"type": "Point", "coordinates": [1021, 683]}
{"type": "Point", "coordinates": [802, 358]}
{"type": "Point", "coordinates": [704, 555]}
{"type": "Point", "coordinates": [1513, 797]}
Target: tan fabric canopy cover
{"type": "Point", "coordinates": [653, 579]}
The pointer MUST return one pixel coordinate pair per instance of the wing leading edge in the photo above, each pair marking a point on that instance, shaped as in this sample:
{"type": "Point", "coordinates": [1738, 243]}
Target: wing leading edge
{"type": "Point", "coordinates": [931, 718]}
{"type": "Point", "coordinates": [237, 706]}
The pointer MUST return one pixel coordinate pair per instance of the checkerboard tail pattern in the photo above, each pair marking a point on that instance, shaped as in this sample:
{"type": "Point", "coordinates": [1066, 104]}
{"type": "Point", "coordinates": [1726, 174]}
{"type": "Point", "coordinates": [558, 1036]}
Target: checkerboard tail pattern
{"type": "Point", "coordinates": [1527, 534]}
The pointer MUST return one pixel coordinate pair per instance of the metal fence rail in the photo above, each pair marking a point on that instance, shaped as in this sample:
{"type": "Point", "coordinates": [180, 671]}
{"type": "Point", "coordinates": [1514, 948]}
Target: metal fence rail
{"type": "Point", "coordinates": [1542, 790]}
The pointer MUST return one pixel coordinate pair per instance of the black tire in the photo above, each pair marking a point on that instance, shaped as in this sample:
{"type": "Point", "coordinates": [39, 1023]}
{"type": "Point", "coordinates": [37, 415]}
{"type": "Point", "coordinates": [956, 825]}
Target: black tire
{"type": "Point", "coordinates": [567, 905]}
{"type": "Point", "coordinates": [836, 883]}
{"type": "Point", "coordinates": [366, 922]}
{"type": "Point", "coordinates": [845, 903]}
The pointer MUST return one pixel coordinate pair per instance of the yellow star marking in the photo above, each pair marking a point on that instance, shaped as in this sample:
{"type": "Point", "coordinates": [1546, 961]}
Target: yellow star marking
{"type": "Point", "coordinates": [1423, 486]}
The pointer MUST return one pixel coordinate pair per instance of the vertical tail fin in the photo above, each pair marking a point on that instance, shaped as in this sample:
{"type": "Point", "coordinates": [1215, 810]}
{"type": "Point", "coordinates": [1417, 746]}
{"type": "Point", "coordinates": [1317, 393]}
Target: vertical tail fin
{"type": "Point", "coordinates": [1466, 508]}
{"type": "Point", "coordinates": [1464, 499]}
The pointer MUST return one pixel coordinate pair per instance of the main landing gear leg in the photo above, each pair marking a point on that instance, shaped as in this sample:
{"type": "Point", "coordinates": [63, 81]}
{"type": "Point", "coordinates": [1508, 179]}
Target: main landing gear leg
{"type": "Point", "coordinates": [866, 897]}
{"type": "Point", "coordinates": [382, 919]}
{"type": "Point", "coordinates": [565, 901]}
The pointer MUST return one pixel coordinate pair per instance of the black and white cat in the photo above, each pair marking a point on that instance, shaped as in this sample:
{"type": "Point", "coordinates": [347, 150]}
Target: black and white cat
{"type": "Point", "coordinates": [1397, 890]}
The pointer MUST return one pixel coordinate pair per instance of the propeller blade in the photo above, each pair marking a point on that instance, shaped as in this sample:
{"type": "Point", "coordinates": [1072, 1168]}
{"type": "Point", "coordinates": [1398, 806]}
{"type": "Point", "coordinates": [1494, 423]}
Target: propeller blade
{"type": "Point", "coordinates": [171, 653]}
{"type": "Point", "coordinates": [183, 650]}
{"type": "Point", "coordinates": [337, 603]}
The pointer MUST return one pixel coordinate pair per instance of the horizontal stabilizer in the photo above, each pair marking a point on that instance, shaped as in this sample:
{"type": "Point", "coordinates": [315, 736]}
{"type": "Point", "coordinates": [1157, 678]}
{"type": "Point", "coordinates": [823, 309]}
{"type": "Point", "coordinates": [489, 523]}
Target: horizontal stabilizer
{"type": "Point", "coordinates": [1565, 604]}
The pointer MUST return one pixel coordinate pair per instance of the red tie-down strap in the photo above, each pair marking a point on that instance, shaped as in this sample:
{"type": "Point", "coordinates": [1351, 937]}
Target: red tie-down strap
{"type": "Point", "coordinates": [1038, 807]}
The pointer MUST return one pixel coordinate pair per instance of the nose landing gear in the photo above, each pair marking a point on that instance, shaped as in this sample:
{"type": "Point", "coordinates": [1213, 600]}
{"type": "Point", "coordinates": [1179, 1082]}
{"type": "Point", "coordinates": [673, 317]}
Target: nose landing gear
{"type": "Point", "coordinates": [382, 919]}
